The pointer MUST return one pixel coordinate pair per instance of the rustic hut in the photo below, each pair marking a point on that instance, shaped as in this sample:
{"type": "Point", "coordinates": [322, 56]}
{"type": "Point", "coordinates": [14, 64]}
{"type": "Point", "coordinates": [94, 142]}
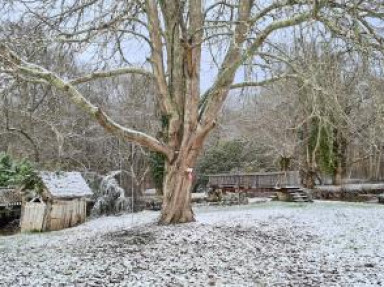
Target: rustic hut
{"type": "Point", "coordinates": [61, 204]}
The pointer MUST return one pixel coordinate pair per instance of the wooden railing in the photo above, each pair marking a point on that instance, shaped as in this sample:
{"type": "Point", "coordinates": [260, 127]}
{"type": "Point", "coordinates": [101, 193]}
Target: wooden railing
{"type": "Point", "coordinates": [260, 180]}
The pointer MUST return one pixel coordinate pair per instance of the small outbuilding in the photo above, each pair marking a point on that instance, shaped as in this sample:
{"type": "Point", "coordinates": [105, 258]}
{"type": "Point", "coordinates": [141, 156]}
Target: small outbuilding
{"type": "Point", "coordinates": [61, 203]}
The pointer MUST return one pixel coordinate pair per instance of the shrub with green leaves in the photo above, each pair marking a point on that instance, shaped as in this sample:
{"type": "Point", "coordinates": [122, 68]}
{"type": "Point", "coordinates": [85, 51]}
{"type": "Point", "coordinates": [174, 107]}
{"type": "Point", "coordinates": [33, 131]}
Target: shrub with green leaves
{"type": "Point", "coordinates": [17, 173]}
{"type": "Point", "coordinates": [224, 156]}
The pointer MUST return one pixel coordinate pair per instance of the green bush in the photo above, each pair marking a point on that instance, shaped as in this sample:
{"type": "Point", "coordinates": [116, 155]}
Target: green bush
{"type": "Point", "coordinates": [224, 156]}
{"type": "Point", "coordinates": [16, 173]}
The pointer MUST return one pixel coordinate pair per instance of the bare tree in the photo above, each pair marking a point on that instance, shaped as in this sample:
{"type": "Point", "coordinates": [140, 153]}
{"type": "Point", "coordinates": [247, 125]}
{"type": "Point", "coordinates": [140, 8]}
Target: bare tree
{"type": "Point", "coordinates": [176, 32]}
{"type": "Point", "coordinates": [322, 109]}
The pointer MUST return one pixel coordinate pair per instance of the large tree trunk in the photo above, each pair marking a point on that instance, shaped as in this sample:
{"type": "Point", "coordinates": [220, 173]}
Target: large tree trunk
{"type": "Point", "coordinates": [177, 197]}
{"type": "Point", "coordinates": [177, 188]}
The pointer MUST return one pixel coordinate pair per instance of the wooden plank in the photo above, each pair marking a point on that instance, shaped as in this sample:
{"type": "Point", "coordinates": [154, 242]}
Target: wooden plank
{"type": "Point", "coordinates": [68, 213]}
{"type": "Point", "coordinates": [56, 216]}
{"type": "Point", "coordinates": [63, 214]}
{"type": "Point", "coordinates": [33, 217]}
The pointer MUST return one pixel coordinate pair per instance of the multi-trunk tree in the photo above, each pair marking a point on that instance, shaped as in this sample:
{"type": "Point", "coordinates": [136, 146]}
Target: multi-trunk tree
{"type": "Point", "coordinates": [178, 34]}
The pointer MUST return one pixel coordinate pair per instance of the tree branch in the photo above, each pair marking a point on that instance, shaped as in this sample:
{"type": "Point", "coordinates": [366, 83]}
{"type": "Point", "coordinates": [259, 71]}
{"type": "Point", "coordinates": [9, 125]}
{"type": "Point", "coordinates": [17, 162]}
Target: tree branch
{"type": "Point", "coordinates": [261, 83]}
{"type": "Point", "coordinates": [29, 138]}
{"type": "Point", "coordinates": [215, 96]}
{"type": "Point", "coordinates": [13, 61]}
{"type": "Point", "coordinates": [154, 28]}
{"type": "Point", "coordinates": [108, 74]}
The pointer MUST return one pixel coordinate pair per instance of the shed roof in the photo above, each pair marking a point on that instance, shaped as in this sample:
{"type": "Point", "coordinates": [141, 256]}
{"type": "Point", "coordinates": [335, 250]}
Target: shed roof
{"type": "Point", "coordinates": [9, 196]}
{"type": "Point", "coordinates": [65, 184]}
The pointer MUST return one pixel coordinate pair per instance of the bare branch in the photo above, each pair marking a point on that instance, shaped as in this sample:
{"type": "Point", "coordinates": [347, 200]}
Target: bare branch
{"type": "Point", "coordinates": [11, 59]}
{"type": "Point", "coordinates": [113, 73]}
{"type": "Point", "coordinates": [214, 98]}
{"type": "Point", "coordinates": [261, 83]}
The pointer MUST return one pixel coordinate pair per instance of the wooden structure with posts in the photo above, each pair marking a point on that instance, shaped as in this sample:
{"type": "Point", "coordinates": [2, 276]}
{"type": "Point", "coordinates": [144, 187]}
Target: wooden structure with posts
{"type": "Point", "coordinates": [284, 186]}
{"type": "Point", "coordinates": [260, 181]}
{"type": "Point", "coordinates": [61, 204]}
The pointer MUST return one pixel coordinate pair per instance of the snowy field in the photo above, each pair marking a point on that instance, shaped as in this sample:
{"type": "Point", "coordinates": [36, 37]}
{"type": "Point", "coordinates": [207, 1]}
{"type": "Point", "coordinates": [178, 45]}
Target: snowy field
{"type": "Point", "coordinates": [268, 244]}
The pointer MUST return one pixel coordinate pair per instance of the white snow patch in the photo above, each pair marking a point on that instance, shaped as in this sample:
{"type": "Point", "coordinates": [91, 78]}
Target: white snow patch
{"type": "Point", "coordinates": [65, 184]}
{"type": "Point", "coordinates": [271, 244]}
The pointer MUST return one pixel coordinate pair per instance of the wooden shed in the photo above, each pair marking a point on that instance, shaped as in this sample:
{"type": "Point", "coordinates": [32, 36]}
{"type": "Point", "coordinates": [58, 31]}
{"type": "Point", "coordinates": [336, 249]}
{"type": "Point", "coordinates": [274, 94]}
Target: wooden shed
{"type": "Point", "coordinates": [61, 204]}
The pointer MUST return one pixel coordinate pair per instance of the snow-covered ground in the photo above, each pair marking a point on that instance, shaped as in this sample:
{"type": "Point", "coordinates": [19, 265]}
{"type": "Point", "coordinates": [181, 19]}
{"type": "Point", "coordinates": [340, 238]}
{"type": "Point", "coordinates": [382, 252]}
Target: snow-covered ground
{"type": "Point", "coordinates": [268, 244]}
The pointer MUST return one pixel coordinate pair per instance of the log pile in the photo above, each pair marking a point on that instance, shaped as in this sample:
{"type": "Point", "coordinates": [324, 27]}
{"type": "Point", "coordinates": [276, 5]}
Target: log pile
{"type": "Point", "coordinates": [349, 192]}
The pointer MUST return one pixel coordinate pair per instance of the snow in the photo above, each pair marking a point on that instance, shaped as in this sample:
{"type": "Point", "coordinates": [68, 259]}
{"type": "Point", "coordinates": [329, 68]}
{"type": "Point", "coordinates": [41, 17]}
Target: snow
{"type": "Point", "coordinates": [110, 197]}
{"type": "Point", "coordinates": [65, 184]}
{"type": "Point", "coordinates": [267, 244]}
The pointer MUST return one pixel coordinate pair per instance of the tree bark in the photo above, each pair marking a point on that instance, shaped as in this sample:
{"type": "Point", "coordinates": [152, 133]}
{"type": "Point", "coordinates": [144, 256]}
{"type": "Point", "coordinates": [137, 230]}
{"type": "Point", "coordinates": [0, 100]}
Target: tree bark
{"type": "Point", "coordinates": [285, 163]}
{"type": "Point", "coordinates": [337, 176]}
{"type": "Point", "coordinates": [340, 150]}
{"type": "Point", "coordinates": [308, 177]}
{"type": "Point", "coordinates": [177, 186]}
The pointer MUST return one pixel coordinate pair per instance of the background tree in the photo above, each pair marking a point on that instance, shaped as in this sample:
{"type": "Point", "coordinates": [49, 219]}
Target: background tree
{"type": "Point", "coordinates": [37, 123]}
{"type": "Point", "coordinates": [317, 117]}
